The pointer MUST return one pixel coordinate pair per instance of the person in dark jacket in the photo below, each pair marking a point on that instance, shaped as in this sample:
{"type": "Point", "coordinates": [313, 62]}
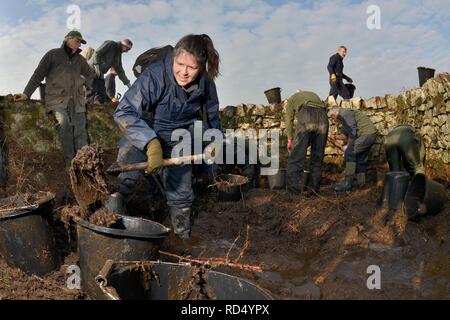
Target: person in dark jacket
{"type": "Point", "coordinates": [109, 55]}
{"type": "Point", "coordinates": [67, 74]}
{"type": "Point", "coordinates": [336, 72]}
{"type": "Point", "coordinates": [404, 145]}
{"type": "Point", "coordinates": [170, 94]}
{"type": "Point", "coordinates": [312, 130]}
{"type": "Point", "coordinates": [360, 133]}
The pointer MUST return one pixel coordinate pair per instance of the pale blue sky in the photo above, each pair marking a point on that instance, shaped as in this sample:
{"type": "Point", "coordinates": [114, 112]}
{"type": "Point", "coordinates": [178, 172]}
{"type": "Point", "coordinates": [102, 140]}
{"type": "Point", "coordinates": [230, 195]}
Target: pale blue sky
{"type": "Point", "coordinates": [262, 43]}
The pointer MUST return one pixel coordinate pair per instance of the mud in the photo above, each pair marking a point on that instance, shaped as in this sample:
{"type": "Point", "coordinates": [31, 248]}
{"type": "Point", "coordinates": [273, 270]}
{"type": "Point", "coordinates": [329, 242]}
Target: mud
{"type": "Point", "coordinates": [24, 201]}
{"type": "Point", "coordinates": [16, 285]}
{"type": "Point", "coordinates": [88, 179]}
{"type": "Point", "coordinates": [321, 247]}
{"type": "Point", "coordinates": [309, 248]}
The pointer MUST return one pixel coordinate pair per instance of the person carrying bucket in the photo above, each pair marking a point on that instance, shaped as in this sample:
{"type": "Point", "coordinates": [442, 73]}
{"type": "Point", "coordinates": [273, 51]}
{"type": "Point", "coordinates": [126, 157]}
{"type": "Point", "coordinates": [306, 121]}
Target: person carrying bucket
{"type": "Point", "coordinates": [360, 133]}
{"type": "Point", "coordinates": [312, 130]}
{"type": "Point", "coordinates": [404, 145]}
{"type": "Point", "coordinates": [336, 75]}
{"type": "Point", "coordinates": [109, 55]}
{"type": "Point", "coordinates": [171, 93]}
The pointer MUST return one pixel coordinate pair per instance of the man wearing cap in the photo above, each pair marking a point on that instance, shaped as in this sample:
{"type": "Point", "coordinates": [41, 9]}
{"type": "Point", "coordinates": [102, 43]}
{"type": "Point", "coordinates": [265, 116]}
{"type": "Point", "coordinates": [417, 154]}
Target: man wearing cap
{"type": "Point", "coordinates": [67, 75]}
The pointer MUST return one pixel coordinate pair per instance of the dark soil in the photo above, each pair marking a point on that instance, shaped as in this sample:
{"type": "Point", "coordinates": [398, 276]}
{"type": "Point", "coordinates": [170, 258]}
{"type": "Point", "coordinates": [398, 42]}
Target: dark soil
{"type": "Point", "coordinates": [315, 247]}
{"type": "Point", "coordinates": [88, 179]}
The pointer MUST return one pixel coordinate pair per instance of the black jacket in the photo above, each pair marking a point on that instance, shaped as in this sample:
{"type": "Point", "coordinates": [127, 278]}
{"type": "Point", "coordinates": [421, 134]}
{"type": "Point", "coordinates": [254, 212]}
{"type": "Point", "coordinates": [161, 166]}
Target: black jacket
{"type": "Point", "coordinates": [336, 66]}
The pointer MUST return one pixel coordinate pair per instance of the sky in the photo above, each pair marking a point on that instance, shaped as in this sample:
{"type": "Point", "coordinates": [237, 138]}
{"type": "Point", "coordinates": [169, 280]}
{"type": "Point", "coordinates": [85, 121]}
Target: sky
{"type": "Point", "coordinates": [262, 44]}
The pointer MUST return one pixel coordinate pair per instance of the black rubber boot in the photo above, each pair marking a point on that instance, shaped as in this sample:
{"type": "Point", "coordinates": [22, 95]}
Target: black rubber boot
{"type": "Point", "coordinates": [181, 221]}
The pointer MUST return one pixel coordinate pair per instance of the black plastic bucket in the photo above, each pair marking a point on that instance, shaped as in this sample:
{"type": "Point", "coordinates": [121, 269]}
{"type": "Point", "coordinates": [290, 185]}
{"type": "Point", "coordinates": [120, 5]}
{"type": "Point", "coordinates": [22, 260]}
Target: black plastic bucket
{"type": "Point", "coordinates": [27, 239]}
{"type": "Point", "coordinates": [278, 180]}
{"type": "Point", "coordinates": [273, 95]}
{"type": "Point", "coordinates": [394, 189]}
{"type": "Point", "coordinates": [424, 197]}
{"type": "Point", "coordinates": [231, 190]}
{"type": "Point", "coordinates": [425, 74]}
{"type": "Point", "coordinates": [351, 89]}
{"type": "Point", "coordinates": [155, 280]}
{"type": "Point", "coordinates": [130, 239]}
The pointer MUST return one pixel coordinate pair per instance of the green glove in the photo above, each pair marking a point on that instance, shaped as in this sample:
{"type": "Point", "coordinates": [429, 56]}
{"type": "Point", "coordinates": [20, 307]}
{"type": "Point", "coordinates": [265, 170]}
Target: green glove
{"type": "Point", "coordinates": [154, 157]}
{"type": "Point", "coordinates": [20, 97]}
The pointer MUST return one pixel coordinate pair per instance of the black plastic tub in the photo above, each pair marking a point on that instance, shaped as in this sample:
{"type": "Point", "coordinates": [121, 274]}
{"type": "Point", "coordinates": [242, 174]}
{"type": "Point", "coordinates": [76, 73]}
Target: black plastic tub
{"type": "Point", "coordinates": [27, 239]}
{"type": "Point", "coordinates": [130, 239]}
{"type": "Point", "coordinates": [394, 189]}
{"type": "Point", "coordinates": [230, 186]}
{"type": "Point", "coordinates": [273, 95]}
{"type": "Point", "coordinates": [425, 74]}
{"type": "Point", "coordinates": [424, 197]}
{"type": "Point", "coordinates": [156, 280]}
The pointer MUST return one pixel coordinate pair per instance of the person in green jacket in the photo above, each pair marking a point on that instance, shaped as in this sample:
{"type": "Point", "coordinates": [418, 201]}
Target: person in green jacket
{"type": "Point", "coordinates": [67, 74]}
{"type": "Point", "coordinates": [360, 133]}
{"type": "Point", "coordinates": [404, 145]}
{"type": "Point", "coordinates": [312, 130]}
{"type": "Point", "coordinates": [107, 56]}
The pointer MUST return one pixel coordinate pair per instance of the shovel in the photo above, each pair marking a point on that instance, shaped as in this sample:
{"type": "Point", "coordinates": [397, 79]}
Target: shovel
{"type": "Point", "coordinates": [116, 169]}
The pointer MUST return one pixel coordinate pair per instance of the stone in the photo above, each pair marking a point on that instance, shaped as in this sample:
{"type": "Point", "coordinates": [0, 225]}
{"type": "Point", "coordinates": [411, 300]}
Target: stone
{"type": "Point", "coordinates": [357, 103]}
{"type": "Point", "coordinates": [259, 110]}
{"type": "Point", "coordinates": [229, 111]}
{"type": "Point", "coordinates": [241, 110]}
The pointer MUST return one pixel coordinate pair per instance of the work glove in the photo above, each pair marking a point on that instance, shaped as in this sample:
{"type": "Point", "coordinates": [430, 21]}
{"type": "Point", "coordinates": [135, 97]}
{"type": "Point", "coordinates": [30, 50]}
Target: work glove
{"type": "Point", "coordinates": [349, 80]}
{"type": "Point", "coordinates": [289, 145]}
{"type": "Point", "coordinates": [20, 97]}
{"type": "Point", "coordinates": [154, 157]}
{"type": "Point", "coordinates": [333, 78]}
{"type": "Point", "coordinates": [114, 100]}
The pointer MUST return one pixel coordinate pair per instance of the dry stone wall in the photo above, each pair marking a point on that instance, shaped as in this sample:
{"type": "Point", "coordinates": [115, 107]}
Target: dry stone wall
{"type": "Point", "coordinates": [426, 108]}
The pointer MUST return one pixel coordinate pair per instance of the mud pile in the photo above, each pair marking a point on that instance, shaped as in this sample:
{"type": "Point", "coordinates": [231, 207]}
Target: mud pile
{"type": "Point", "coordinates": [89, 187]}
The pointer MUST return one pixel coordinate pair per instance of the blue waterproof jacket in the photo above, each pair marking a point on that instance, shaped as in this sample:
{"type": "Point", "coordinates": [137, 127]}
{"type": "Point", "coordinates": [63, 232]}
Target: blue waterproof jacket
{"type": "Point", "coordinates": [156, 103]}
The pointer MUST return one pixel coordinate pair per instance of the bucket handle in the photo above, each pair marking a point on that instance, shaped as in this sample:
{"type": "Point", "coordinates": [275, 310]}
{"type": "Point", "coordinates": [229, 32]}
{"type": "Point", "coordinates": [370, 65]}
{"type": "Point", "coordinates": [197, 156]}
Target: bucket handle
{"type": "Point", "coordinates": [102, 281]}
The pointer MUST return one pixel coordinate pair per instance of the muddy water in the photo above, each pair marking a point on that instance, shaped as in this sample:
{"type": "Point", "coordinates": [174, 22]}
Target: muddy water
{"type": "Point", "coordinates": [413, 258]}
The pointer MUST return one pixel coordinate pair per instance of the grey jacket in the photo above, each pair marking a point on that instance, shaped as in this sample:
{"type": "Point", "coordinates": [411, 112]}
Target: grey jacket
{"type": "Point", "coordinates": [64, 75]}
{"type": "Point", "coordinates": [109, 55]}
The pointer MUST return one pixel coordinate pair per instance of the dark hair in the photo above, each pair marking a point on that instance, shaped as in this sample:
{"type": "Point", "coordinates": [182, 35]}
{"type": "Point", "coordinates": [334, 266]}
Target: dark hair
{"type": "Point", "coordinates": [201, 47]}
{"type": "Point", "coordinates": [343, 47]}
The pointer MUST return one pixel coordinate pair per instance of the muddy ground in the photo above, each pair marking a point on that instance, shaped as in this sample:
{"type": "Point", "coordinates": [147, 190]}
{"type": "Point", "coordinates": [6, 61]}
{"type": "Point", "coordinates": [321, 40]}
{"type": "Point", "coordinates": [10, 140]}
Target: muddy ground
{"type": "Point", "coordinates": [309, 248]}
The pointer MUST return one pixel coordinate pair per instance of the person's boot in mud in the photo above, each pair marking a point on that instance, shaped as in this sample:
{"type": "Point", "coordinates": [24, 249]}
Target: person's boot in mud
{"type": "Point", "coordinates": [361, 180]}
{"type": "Point", "coordinates": [347, 185]}
{"type": "Point", "coordinates": [181, 221]}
